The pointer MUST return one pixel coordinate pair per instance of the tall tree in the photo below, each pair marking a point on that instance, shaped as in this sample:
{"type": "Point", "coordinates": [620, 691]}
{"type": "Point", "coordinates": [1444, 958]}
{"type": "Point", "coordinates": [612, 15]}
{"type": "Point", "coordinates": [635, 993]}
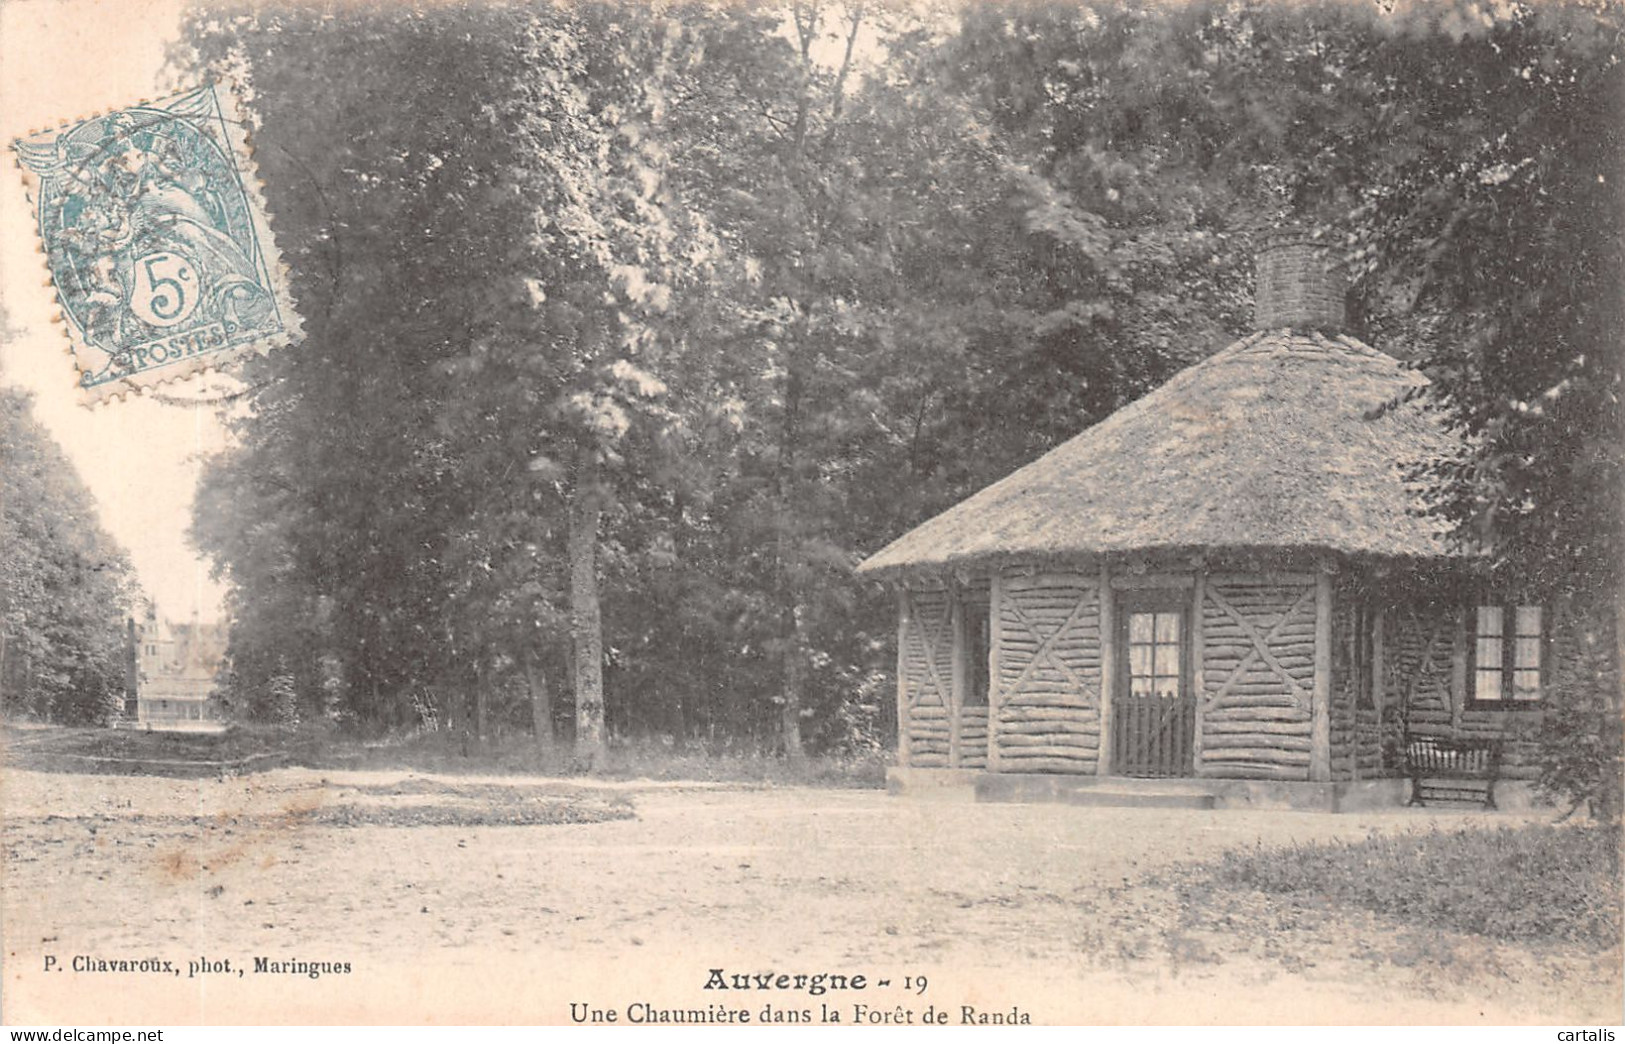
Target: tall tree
{"type": "Point", "coordinates": [65, 585]}
{"type": "Point", "coordinates": [486, 262]}
{"type": "Point", "coordinates": [818, 174]}
{"type": "Point", "coordinates": [1464, 157]}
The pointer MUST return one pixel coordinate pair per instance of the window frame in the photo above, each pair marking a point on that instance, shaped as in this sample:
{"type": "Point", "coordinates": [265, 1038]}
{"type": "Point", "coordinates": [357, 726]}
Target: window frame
{"type": "Point", "coordinates": [1152, 600]}
{"type": "Point", "coordinates": [1508, 639]}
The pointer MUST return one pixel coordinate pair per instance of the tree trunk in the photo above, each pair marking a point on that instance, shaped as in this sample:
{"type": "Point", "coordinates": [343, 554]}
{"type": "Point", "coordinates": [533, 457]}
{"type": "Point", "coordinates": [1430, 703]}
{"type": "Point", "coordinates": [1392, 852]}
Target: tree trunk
{"type": "Point", "coordinates": [785, 573]}
{"type": "Point", "coordinates": [679, 722]}
{"type": "Point", "coordinates": [446, 716]}
{"type": "Point", "coordinates": [790, 708]}
{"type": "Point", "coordinates": [541, 703]}
{"type": "Point", "coordinates": [481, 700]}
{"type": "Point", "coordinates": [586, 625]}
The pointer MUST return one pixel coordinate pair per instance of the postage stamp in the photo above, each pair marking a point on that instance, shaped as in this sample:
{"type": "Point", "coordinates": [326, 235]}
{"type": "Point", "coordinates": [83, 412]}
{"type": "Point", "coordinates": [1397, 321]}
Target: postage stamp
{"type": "Point", "coordinates": [157, 240]}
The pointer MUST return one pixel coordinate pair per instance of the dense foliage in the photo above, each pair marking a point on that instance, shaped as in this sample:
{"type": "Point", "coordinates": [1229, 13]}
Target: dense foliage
{"type": "Point", "coordinates": [1582, 749]}
{"type": "Point", "coordinates": [631, 331]}
{"type": "Point", "coordinates": [65, 586]}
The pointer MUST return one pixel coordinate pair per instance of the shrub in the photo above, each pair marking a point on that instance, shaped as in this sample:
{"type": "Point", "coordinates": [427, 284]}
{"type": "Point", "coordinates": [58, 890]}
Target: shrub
{"type": "Point", "coordinates": [1581, 737]}
{"type": "Point", "coordinates": [282, 701]}
{"type": "Point", "coordinates": [109, 705]}
{"type": "Point", "coordinates": [452, 751]}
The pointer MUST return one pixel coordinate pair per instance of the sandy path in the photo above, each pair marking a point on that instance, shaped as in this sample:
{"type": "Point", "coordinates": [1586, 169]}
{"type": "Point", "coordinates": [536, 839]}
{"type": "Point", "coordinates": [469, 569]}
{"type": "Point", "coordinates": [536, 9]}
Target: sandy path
{"type": "Point", "coordinates": [1041, 907]}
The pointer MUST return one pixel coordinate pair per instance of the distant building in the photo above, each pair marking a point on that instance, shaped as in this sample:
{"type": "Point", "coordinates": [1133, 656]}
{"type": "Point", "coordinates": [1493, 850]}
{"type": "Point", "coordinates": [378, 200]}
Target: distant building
{"type": "Point", "coordinates": [175, 668]}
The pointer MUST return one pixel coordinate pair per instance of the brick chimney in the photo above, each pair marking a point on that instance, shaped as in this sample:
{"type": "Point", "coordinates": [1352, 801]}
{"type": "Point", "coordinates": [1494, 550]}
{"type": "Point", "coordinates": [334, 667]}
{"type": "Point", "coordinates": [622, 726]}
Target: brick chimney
{"type": "Point", "coordinates": [1300, 284]}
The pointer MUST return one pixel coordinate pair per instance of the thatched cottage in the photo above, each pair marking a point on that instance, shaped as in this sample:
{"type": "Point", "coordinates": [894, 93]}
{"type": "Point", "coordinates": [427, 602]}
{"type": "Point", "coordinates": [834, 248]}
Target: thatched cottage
{"type": "Point", "coordinates": [1227, 582]}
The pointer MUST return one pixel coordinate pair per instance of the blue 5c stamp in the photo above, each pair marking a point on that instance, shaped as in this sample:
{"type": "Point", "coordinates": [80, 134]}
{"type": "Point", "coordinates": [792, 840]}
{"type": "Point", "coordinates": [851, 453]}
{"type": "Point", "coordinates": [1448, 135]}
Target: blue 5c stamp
{"type": "Point", "coordinates": [157, 241]}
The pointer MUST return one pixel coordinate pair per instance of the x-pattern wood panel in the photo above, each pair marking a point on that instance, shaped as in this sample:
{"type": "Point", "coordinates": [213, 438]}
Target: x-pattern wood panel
{"type": "Point", "coordinates": [927, 644]}
{"type": "Point", "coordinates": [1046, 647]}
{"type": "Point", "coordinates": [1426, 670]}
{"type": "Point", "coordinates": [1260, 651]}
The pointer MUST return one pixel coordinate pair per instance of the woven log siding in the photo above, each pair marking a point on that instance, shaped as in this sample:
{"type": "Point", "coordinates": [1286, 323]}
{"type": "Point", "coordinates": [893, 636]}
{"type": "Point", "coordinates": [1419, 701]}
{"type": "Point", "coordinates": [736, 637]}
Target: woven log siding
{"type": "Point", "coordinates": [1367, 743]}
{"type": "Point", "coordinates": [927, 676]}
{"type": "Point", "coordinates": [1357, 740]}
{"type": "Point", "coordinates": [1519, 729]}
{"type": "Point", "coordinates": [1419, 675]}
{"type": "Point", "coordinates": [1421, 645]}
{"type": "Point", "coordinates": [1396, 657]}
{"type": "Point", "coordinates": [1343, 687]}
{"type": "Point", "coordinates": [1258, 668]}
{"type": "Point", "coordinates": [1367, 718]}
{"type": "Point", "coordinates": [973, 737]}
{"type": "Point", "coordinates": [1048, 684]}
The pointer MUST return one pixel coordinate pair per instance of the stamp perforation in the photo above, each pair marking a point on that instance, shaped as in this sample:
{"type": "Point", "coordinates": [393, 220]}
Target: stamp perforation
{"type": "Point", "coordinates": [110, 367]}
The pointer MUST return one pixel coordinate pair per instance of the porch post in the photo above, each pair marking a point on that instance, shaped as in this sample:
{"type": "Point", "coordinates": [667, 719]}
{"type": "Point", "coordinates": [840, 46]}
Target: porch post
{"type": "Point", "coordinates": [995, 603]}
{"type": "Point", "coordinates": [956, 679]}
{"type": "Point", "coordinates": [1320, 722]}
{"type": "Point", "coordinates": [1379, 688]}
{"type": "Point", "coordinates": [1108, 668]}
{"type": "Point", "coordinates": [902, 675]}
{"type": "Point", "coordinates": [1198, 678]}
{"type": "Point", "coordinates": [1458, 670]}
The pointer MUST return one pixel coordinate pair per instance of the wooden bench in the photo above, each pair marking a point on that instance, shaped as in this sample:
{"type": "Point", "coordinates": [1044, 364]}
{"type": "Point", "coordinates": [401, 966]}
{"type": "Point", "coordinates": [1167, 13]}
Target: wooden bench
{"type": "Point", "coordinates": [1444, 769]}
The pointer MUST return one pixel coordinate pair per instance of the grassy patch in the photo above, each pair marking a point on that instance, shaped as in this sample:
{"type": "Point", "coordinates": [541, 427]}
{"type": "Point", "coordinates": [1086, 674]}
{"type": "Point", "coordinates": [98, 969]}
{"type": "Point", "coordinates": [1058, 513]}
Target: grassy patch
{"type": "Point", "coordinates": [492, 793]}
{"type": "Point", "coordinates": [138, 752]}
{"type": "Point", "coordinates": [452, 753]}
{"type": "Point", "coordinates": [236, 742]}
{"type": "Point", "coordinates": [532, 813]}
{"type": "Point", "coordinates": [1529, 883]}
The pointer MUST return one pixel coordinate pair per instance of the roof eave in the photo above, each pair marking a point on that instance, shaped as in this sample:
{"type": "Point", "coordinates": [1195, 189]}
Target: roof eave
{"type": "Point", "coordinates": [1198, 553]}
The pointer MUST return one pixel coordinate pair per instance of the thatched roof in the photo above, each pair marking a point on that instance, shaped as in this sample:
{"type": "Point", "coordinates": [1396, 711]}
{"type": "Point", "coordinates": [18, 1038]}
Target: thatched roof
{"type": "Point", "coordinates": [1277, 442]}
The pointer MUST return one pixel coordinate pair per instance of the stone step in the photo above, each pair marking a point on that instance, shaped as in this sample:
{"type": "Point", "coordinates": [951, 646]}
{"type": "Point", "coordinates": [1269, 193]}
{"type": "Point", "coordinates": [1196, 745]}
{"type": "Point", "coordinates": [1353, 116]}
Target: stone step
{"type": "Point", "coordinates": [1089, 790]}
{"type": "Point", "coordinates": [1115, 797]}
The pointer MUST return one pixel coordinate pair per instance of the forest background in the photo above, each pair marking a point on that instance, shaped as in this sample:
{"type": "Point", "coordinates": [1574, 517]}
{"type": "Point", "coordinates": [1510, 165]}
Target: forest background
{"type": "Point", "coordinates": [631, 328]}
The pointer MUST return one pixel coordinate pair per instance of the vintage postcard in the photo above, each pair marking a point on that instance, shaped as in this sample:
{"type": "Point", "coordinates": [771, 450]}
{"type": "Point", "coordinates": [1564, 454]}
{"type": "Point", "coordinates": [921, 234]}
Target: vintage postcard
{"type": "Point", "coordinates": [811, 514]}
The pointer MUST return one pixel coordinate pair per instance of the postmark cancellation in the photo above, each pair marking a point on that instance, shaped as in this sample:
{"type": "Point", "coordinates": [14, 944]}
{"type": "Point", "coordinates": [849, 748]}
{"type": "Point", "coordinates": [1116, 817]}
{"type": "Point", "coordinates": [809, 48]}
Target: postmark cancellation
{"type": "Point", "coordinates": [157, 240]}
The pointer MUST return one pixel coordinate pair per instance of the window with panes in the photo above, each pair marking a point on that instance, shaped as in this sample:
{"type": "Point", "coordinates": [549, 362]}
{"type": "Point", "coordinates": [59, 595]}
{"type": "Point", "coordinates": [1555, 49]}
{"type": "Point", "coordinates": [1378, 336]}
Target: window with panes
{"type": "Point", "coordinates": [1508, 655]}
{"type": "Point", "coordinates": [1155, 652]}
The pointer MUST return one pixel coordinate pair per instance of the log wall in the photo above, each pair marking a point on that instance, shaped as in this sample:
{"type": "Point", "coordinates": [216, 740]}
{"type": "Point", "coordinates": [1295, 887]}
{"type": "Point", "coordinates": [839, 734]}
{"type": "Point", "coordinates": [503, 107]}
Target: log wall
{"type": "Point", "coordinates": [973, 737]}
{"type": "Point", "coordinates": [1046, 690]}
{"type": "Point", "coordinates": [1254, 673]}
{"type": "Point", "coordinates": [1257, 671]}
{"type": "Point", "coordinates": [1518, 729]}
{"type": "Point", "coordinates": [1425, 681]}
{"type": "Point", "coordinates": [1368, 709]}
{"type": "Point", "coordinates": [970, 722]}
{"type": "Point", "coordinates": [1355, 719]}
{"type": "Point", "coordinates": [1419, 670]}
{"type": "Point", "coordinates": [925, 676]}
{"type": "Point", "coordinates": [1343, 693]}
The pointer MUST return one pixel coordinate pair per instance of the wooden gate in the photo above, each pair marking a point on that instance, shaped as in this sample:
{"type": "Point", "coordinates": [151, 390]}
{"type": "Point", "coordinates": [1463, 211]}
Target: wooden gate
{"type": "Point", "coordinates": [1154, 735]}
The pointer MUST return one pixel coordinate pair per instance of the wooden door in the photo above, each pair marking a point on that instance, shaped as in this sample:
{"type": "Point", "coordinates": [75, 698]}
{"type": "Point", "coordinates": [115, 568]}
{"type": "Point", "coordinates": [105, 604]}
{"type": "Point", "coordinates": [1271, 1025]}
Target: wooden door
{"type": "Point", "coordinates": [1154, 710]}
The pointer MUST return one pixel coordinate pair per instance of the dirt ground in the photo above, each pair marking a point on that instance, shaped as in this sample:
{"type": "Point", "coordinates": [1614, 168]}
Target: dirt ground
{"type": "Point", "coordinates": [624, 907]}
